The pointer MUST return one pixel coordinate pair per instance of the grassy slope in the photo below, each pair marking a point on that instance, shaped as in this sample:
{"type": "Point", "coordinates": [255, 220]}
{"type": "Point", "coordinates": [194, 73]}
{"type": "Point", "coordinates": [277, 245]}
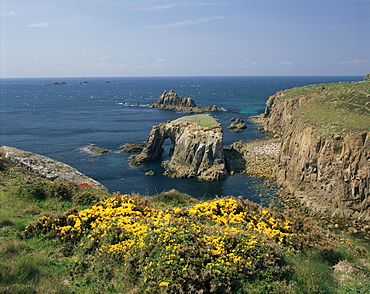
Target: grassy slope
{"type": "Point", "coordinates": [38, 265]}
{"type": "Point", "coordinates": [336, 106]}
{"type": "Point", "coordinates": [33, 265]}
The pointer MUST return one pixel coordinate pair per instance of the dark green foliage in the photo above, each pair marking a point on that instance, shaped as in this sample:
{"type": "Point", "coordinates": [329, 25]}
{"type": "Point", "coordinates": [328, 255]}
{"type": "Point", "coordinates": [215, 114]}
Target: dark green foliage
{"type": "Point", "coordinates": [42, 190]}
{"type": "Point", "coordinates": [173, 198]}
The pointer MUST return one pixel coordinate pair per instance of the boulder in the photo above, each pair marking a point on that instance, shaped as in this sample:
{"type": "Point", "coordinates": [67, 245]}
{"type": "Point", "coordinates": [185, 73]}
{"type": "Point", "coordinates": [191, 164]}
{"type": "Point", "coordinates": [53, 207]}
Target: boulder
{"type": "Point", "coordinates": [150, 173]}
{"type": "Point", "coordinates": [98, 150]}
{"type": "Point", "coordinates": [237, 125]}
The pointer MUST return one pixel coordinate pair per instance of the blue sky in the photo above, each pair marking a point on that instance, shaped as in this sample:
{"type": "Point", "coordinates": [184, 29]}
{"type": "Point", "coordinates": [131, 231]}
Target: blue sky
{"type": "Point", "coordinates": [73, 38]}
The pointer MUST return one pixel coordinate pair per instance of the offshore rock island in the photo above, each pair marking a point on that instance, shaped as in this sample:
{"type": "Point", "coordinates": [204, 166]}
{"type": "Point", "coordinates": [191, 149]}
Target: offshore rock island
{"type": "Point", "coordinates": [197, 148]}
{"type": "Point", "coordinates": [170, 100]}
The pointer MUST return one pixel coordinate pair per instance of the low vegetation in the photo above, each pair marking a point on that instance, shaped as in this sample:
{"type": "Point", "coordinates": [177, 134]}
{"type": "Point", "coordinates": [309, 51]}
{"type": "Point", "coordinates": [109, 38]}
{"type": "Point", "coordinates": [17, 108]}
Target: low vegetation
{"type": "Point", "coordinates": [202, 120]}
{"type": "Point", "coordinates": [333, 107]}
{"type": "Point", "coordinates": [62, 238]}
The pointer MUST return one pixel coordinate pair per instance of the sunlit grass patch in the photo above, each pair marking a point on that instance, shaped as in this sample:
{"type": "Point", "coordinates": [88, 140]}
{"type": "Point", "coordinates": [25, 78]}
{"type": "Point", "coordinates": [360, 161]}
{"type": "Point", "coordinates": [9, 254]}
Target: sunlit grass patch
{"type": "Point", "coordinates": [203, 120]}
{"type": "Point", "coordinates": [333, 107]}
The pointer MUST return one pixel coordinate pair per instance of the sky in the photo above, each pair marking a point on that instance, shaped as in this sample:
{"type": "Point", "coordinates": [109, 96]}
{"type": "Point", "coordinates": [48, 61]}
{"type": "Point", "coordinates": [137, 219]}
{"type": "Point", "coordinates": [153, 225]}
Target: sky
{"type": "Point", "coordinates": [108, 38]}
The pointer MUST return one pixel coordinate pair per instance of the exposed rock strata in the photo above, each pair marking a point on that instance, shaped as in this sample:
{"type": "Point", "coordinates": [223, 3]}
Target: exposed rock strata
{"type": "Point", "coordinates": [48, 168]}
{"type": "Point", "coordinates": [170, 100]}
{"type": "Point", "coordinates": [329, 172]}
{"type": "Point", "coordinates": [196, 151]}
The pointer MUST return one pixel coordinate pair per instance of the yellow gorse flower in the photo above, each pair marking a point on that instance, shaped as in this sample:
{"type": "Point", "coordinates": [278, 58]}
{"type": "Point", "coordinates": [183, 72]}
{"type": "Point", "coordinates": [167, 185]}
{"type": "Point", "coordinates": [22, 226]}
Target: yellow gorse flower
{"type": "Point", "coordinates": [116, 226]}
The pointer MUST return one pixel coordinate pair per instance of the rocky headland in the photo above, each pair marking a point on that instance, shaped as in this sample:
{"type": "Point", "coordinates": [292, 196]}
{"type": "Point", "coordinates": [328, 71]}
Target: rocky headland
{"type": "Point", "coordinates": [197, 148]}
{"type": "Point", "coordinates": [47, 168]}
{"type": "Point", "coordinates": [324, 158]}
{"type": "Point", "coordinates": [170, 100]}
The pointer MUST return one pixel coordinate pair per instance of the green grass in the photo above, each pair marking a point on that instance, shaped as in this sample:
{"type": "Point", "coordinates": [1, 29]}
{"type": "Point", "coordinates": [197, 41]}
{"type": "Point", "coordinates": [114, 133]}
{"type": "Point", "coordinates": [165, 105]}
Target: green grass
{"type": "Point", "coordinates": [334, 107]}
{"type": "Point", "coordinates": [47, 265]}
{"type": "Point", "coordinates": [202, 120]}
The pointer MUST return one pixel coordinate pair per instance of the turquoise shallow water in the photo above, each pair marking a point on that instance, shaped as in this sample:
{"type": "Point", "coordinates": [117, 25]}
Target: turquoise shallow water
{"type": "Point", "coordinates": [59, 121]}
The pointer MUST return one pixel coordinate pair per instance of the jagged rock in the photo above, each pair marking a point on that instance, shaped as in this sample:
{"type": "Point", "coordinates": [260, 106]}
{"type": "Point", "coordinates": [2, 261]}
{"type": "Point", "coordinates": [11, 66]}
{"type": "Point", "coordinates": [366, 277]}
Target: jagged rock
{"type": "Point", "coordinates": [97, 150]}
{"type": "Point", "coordinates": [129, 148]}
{"type": "Point", "coordinates": [329, 171]}
{"type": "Point", "coordinates": [150, 173]}
{"type": "Point", "coordinates": [196, 150]}
{"type": "Point", "coordinates": [237, 125]}
{"type": "Point", "coordinates": [48, 168]}
{"type": "Point", "coordinates": [367, 77]}
{"type": "Point", "coordinates": [170, 100]}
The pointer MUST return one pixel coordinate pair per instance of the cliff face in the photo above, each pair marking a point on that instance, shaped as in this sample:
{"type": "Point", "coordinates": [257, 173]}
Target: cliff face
{"type": "Point", "coordinates": [197, 151]}
{"type": "Point", "coordinates": [325, 154]}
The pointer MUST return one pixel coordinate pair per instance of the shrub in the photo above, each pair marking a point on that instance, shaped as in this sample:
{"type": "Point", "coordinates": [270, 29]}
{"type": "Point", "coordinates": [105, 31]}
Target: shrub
{"type": "Point", "coordinates": [173, 198]}
{"type": "Point", "coordinates": [218, 246]}
{"type": "Point", "coordinates": [41, 190]}
{"type": "Point", "coordinates": [212, 246]}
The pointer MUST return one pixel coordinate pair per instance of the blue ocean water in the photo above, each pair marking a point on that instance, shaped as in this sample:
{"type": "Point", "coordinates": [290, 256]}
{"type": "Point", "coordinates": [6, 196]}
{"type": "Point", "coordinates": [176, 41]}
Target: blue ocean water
{"type": "Point", "coordinates": [58, 121]}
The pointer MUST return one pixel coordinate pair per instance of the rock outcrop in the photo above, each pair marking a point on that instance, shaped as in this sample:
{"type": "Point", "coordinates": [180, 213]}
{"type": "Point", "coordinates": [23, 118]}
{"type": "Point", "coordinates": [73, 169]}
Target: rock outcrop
{"type": "Point", "coordinates": [197, 149]}
{"type": "Point", "coordinates": [170, 100]}
{"type": "Point", "coordinates": [97, 150]}
{"type": "Point", "coordinates": [129, 148]}
{"type": "Point", "coordinates": [237, 125]}
{"type": "Point", "coordinates": [48, 168]}
{"type": "Point", "coordinates": [325, 155]}
{"type": "Point", "coordinates": [367, 77]}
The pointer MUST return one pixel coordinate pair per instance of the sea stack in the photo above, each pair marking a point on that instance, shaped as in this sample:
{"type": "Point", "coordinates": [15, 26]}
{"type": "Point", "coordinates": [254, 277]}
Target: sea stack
{"type": "Point", "coordinates": [197, 148]}
{"type": "Point", "coordinates": [170, 100]}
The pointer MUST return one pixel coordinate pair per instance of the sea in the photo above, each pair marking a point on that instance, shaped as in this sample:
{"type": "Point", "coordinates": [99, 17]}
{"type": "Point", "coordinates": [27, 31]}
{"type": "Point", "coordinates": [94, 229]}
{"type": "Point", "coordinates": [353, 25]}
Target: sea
{"type": "Point", "coordinates": [61, 120]}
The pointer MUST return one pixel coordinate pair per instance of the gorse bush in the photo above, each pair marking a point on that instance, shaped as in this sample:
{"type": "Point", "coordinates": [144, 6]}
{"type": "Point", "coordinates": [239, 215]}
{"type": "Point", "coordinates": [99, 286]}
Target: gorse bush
{"type": "Point", "coordinates": [40, 190]}
{"type": "Point", "coordinates": [211, 247]}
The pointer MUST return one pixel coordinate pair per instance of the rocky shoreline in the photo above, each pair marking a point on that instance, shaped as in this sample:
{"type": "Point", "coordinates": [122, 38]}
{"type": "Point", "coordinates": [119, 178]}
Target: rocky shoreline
{"type": "Point", "coordinates": [47, 168]}
{"type": "Point", "coordinates": [257, 158]}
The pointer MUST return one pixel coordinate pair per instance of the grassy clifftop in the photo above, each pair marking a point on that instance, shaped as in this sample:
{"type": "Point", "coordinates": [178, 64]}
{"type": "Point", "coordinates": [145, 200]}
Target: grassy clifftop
{"type": "Point", "coordinates": [335, 106]}
{"type": "Point", "coordinates": [203, 120]}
